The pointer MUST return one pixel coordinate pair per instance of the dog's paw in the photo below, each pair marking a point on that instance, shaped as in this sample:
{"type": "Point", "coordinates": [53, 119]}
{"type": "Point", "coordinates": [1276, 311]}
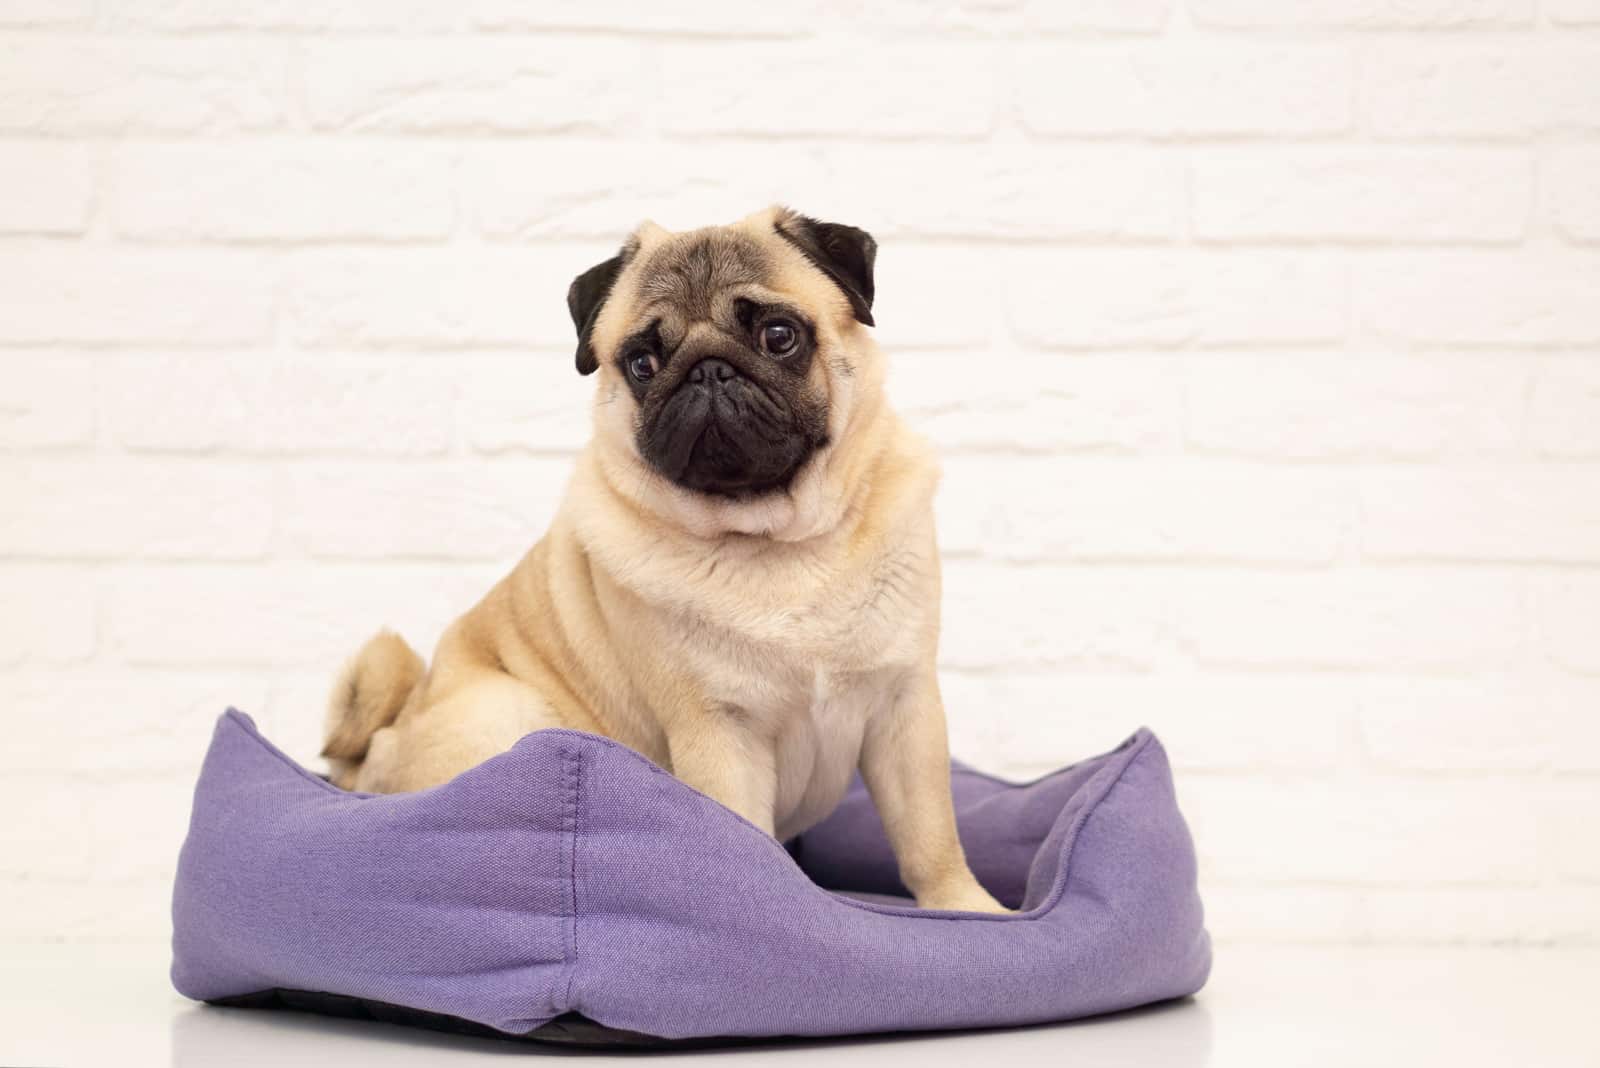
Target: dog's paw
{"type": "Point", "coordinates": [967, 898]}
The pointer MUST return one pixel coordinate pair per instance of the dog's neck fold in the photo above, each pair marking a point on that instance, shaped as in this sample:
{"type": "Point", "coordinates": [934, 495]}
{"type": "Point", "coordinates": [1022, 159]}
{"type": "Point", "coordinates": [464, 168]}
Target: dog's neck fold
{"type": "Point", "coordinates": [823, 496]}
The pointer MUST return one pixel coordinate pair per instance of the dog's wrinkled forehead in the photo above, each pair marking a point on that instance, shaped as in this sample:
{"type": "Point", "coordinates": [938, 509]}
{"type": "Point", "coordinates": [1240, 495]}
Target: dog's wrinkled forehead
{"type": "Point", "coordinates": [687, 273]}
{"type": "Point", "coordinates": [685, 278]}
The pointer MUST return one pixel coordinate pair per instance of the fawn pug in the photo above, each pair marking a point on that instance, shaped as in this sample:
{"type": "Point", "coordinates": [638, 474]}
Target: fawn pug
{"type": "Point", "coordinates": [742, 580]}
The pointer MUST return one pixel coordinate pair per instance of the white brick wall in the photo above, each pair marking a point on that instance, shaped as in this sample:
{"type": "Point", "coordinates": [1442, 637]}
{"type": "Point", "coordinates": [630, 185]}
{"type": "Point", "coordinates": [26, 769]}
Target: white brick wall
{"type": "Point", "coordinates": [1261, 338]}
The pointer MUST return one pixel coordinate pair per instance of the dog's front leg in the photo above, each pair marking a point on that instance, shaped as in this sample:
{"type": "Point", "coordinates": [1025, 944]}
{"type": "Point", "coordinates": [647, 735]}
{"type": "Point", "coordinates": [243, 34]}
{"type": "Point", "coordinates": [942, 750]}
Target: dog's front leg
{"type": "Point", "coordinates": [905, 761]}
{"type": "Point", "coordinates": [719, 752]}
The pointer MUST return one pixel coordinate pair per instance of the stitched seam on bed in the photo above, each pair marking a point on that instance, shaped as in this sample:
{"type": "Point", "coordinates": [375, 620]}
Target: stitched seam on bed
{"type": "Point", "coordinates": [1058, 889]}
{"type": "Point", "coordinates": [572, 775]}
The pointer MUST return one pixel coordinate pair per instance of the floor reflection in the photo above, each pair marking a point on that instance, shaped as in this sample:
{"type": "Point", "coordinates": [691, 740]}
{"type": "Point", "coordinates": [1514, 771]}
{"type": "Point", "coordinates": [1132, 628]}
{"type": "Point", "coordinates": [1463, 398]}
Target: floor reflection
{"type": "Point", "coordinates": [1175, 1034]}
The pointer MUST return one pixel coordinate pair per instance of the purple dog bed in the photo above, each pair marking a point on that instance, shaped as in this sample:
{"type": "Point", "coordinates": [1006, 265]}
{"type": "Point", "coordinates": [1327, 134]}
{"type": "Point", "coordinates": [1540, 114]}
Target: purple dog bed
{"type": "Point", "coordinates": [570, 890]}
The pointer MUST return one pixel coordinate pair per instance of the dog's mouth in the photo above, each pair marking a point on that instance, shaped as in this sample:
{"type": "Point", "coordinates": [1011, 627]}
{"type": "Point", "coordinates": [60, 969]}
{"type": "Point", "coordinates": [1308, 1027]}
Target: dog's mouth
{"type": "Point", "coordinates": [738, 439]}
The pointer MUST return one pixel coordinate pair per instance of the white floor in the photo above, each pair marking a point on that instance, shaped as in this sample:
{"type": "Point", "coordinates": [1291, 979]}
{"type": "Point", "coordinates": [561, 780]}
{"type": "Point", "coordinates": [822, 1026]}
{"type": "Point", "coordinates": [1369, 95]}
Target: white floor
{"type": "Point", "coordinates": [63, 1005]}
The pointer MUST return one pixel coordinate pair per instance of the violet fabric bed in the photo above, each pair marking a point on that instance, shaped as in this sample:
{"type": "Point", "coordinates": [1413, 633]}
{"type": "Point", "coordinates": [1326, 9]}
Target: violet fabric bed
{"type": "Point", "coordinates": [571, 889]}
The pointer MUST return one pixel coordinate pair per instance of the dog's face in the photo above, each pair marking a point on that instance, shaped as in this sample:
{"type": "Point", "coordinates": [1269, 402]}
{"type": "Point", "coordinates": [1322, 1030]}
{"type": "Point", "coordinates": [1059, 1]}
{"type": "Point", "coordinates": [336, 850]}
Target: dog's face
{"type": "Point", "coordinates": [726, 355]}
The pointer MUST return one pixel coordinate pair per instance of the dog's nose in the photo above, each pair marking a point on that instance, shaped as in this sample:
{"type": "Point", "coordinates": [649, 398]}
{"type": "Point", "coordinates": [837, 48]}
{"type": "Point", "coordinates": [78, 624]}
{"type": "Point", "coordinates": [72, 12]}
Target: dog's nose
{"type": "Point", "coordinates": [712, 371]}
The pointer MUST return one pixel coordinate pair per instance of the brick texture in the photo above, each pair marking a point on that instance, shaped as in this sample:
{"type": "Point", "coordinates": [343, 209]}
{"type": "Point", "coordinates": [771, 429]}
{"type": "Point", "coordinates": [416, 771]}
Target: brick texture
{"type": "Point", "coordinates": [1260, 339]}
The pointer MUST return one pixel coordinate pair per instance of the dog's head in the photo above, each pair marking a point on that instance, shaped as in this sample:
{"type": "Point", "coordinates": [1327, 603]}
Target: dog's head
{"type": "Point", "coordinates": [729, 359]}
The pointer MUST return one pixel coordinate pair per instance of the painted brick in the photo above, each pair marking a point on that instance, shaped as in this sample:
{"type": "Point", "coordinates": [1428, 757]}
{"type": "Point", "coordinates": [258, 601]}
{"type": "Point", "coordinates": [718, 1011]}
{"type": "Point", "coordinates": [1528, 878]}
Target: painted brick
{"type": "Point", "coordinates": [1050, 508]}
{"type": "Point", "coordinates": [1497, 725]}
{"type": "Point", "coordinates": [102, 297]}
{"type": "Point", "coordinates": [410, 16]}
{"type": "Point", "coordinates": [291, 711]}
{"type": "Point", "coordinates": [1037, 721]}
{"type": "Point", "coordinates": [119, 832]}
{"type": "Point", "coordinates": [1564, 412]}
{"type": "Point", "coordinates": [1361, 14]}
{"type": "Point", "coordinates": [1573, 12]}
{"type": "Point", "coordinates": [1375, 195]}
{"type": "Point", "coordinates": [104, 509]}
{"type": "Point", "coordinates": [530, 402]}
{"type": "Point", "coordinates": [1034, 191]}
{"type": "Point", "coordinates": [1418, 832]}
{"type": "Point", "coordinates": [1568, 607]}
{"type": "Point", "coordinates": [1122, 297]}
{"type": "Point", "coordinates": [1424, 620]}
{"type": "Point", "coordinates": [101, 85]}
{"type": "Point", "coordinates": [1508, 513]}
{"type": "Point", "coordinates": [512, 190]}
{"type": "Point", "coordinates": [1225, 89]}
{"type": "Point", "coordinates": [451, 511]}
{"type": "Point", "coordinates": [1565, 823]}
{"type": "Point", "coordinates": [272, 191]}
{"type": "Point", "coordinates": [919, 88]}
{"type": "Point", "coordinates": [1003, 617]}
{"type": "Point", "coordinates": [50, 402]}
{"type": "Point", "coordinates": [1310, 405]}
{"type": "Point", "coordinates": [474, 85]}
{"type": "Point", "coordinates": [105, 722]}
{"type": "Point", "coordinates": [1504, 89]}
{"type": "Point", "coordinates": [1039, 402]}
{"type": "Point", "coordinates": [49, 187]}
{"type": "Point", "coordinates": [50, 614]}
{"type": "Point", "coordinates": [52, 844]}
{"type": "Point", "coordinates": [312, 616]}
{"type": "Point", "coordinates": [457, 297]}
{"type": "Point", "coordinates": [722, 18]}
{"type": "Point", "coordinates": [1024, 191]}
{"type": "Point", "coordinates": [39, 13]}
{"type": "Point", "coordinates": [918, 20]}
{"type": "Point", "coordinates": [1567, 713]}
{"type": "Point", "coordinates": [1571, 191]}
{"type": "Point", "coordinates": [1480, 298]}
{"type": "Point", "coordinates": [938, 296]}
{"type": "Point", "coordinates": [398, 403]}
{"type": "Point", "coordinates": [1123, 16]}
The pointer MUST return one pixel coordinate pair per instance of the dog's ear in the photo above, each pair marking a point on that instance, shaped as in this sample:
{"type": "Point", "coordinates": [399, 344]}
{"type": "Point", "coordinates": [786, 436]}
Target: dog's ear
{"type": "Point", "coordinates": [585, 297]}
{"type": "Point", "coordinates": [843, 253]}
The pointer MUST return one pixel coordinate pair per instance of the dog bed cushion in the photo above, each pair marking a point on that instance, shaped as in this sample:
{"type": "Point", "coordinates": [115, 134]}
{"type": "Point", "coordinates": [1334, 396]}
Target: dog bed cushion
{"type": "Point", "coordinates": [569, 889]}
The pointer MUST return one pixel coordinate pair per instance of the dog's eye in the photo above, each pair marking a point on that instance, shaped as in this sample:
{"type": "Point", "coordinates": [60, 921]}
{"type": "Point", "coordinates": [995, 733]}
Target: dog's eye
{"type": "Point", "coordinates": [643, 366]}
{"type": "Point", "coordinates": [779, 337]}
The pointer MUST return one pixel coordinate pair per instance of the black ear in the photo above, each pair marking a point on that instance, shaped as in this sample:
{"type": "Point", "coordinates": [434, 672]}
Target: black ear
{"type": "Point", "coordinates": [843, 253]}
{"type": "Point", "coordinates": [585, 296]}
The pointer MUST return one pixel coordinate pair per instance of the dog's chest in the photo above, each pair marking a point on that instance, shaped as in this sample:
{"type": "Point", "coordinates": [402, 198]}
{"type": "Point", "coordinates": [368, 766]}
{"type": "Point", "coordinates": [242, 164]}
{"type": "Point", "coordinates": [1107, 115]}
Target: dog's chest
{"type": "Point", "coordinates": [810, 678]}
{"type": "Point", "coordinates": [817, 724]}
{"type": "Point", "coordinates": [809, 648]}
{"type": "Point", "coordinates": [819, 750]}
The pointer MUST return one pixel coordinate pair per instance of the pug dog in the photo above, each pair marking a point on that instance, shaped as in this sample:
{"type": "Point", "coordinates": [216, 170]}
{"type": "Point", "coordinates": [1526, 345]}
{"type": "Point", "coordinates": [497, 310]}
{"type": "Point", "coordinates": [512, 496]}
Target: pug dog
{"type": "Point", "coordinates": [741, 582]}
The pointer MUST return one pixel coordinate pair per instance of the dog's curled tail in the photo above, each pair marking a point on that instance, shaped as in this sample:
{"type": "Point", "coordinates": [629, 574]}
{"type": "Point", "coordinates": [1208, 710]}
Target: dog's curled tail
{"type": "Point", "coordinates": [369, 694]}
